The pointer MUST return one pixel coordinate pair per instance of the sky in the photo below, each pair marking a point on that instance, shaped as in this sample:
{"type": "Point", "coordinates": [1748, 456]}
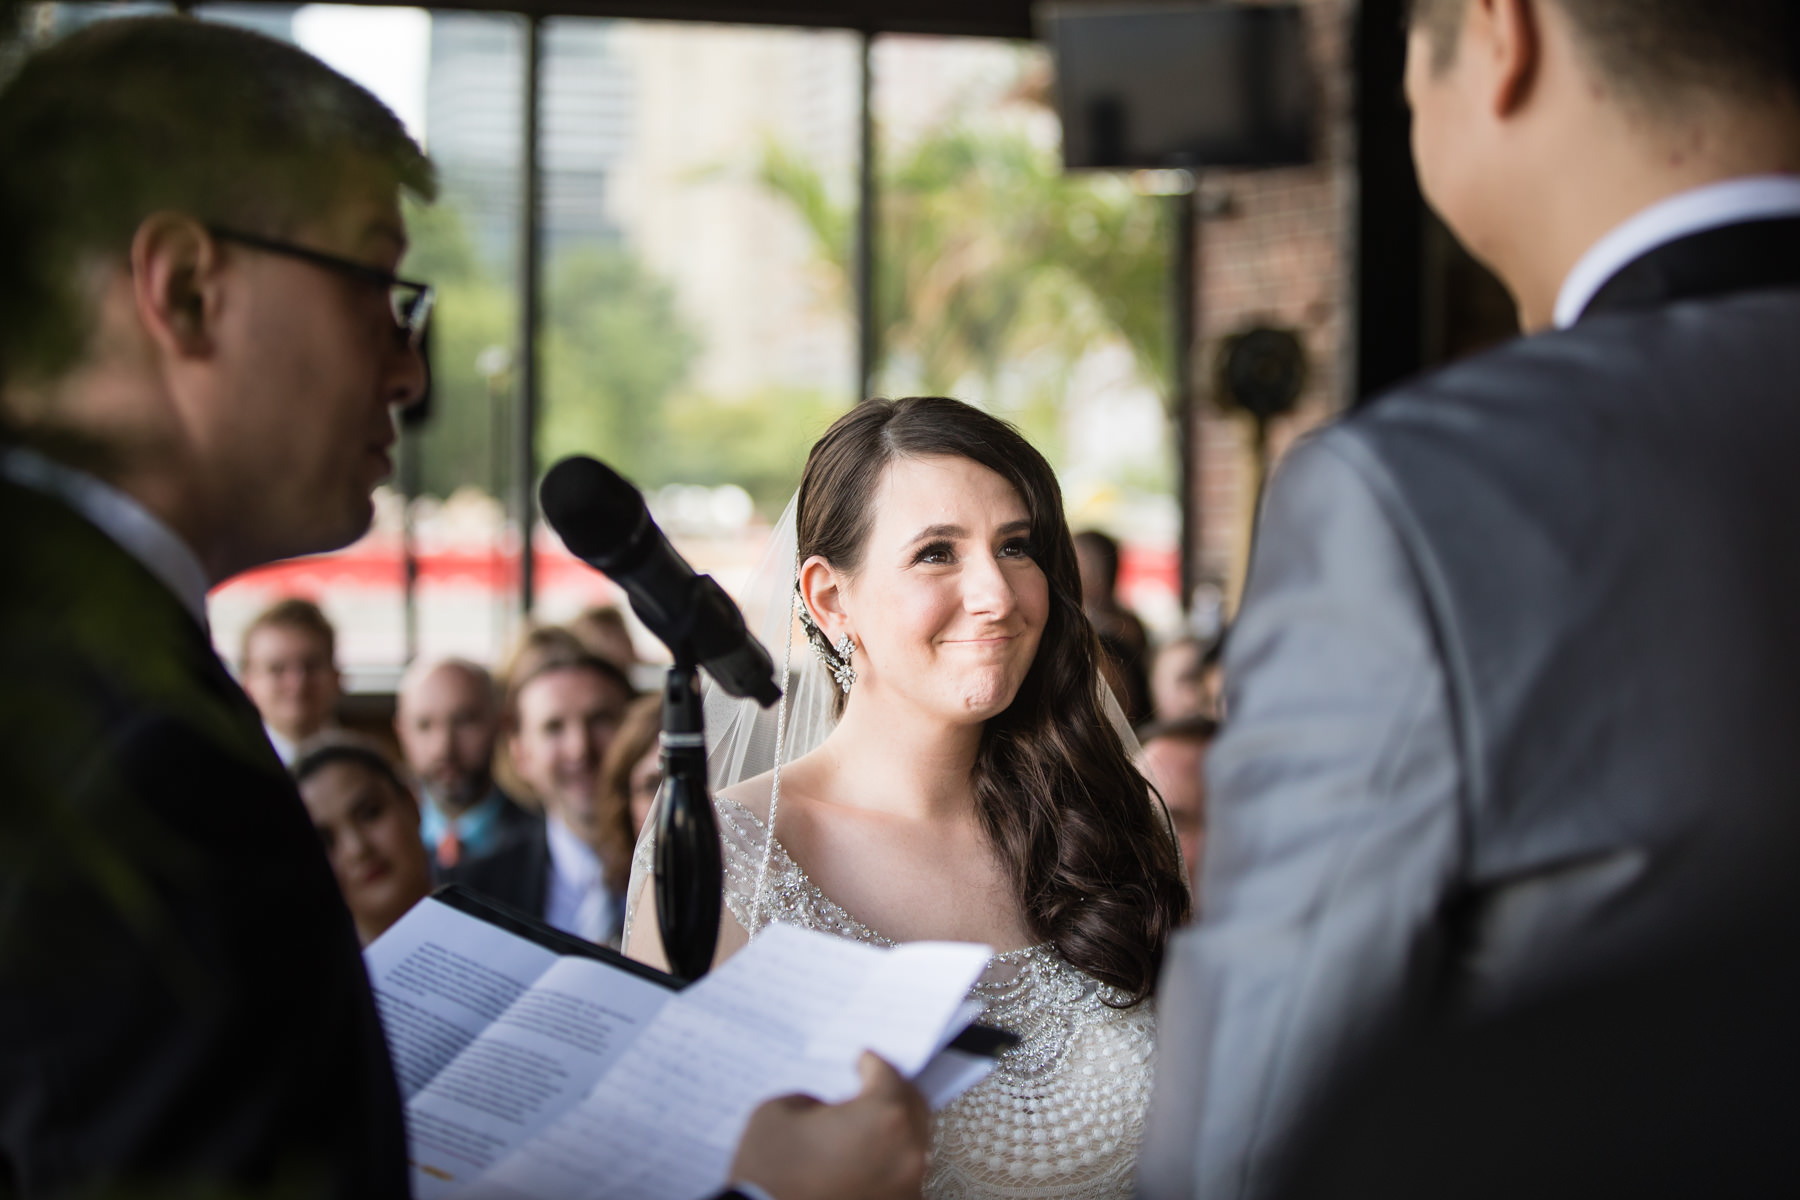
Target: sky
{"type": "Point", "coordinates": [387, 50]}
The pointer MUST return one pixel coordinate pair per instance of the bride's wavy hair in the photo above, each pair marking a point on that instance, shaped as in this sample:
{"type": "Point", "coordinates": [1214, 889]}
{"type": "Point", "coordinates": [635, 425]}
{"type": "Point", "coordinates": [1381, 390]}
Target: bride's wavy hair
{"type": "Point", "coordinates": [1089, 850]}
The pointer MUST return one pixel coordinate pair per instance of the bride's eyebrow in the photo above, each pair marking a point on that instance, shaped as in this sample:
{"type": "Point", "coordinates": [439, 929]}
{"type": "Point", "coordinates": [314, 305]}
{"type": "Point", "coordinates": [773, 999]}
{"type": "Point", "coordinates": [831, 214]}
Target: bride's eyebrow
{"type": "Point", "coordinates": [957, 531]}
{"type": "Point", "coordinates": [938, 531]}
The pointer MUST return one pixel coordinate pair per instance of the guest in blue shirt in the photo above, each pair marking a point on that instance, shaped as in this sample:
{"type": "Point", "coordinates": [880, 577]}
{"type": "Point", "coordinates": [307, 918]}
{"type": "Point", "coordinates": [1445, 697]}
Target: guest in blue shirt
{"type": "Point", "coordinates": [447, 719]}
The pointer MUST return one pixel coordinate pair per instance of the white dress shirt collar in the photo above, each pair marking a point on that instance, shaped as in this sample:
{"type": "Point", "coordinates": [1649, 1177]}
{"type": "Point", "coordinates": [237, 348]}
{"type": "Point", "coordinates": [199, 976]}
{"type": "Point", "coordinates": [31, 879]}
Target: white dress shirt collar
{"type": "Point", "coordinates": [119, 517]}
{"type": "Point", "coordinates": [573, 859]}
{"type": "Point", "coordinates": [576, 900]}
{"type": "Point", "coordinates": [1754, 198]}
{"type": "Point", "coordinates": [284, 749]}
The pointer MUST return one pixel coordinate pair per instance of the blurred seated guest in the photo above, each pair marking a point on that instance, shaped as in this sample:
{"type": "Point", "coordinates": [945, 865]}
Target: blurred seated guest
{"type": "Point", "coordinates": [561, 712]}
{"type": "Point", "coordinates": [288, 663]}
{"type": "Point", "coordinates": [369, 822]}
{"type": "Point", "coordinates": [447, 718]}
{"type": "Point", "coordinates": [631, 772]}
{"type": "Point", "coordinates": [1175, 675]}
{"type": "Point", "coordinates": [603, 631]}
{"type": "Point", "coordinates": [1174, 759]}
{"type": "Point", "coordinates": [1097, 557]}
{"type": "Point", "coordinates": [1212, 677]}
{"type": "Point", "coordinates": [1121, 632]}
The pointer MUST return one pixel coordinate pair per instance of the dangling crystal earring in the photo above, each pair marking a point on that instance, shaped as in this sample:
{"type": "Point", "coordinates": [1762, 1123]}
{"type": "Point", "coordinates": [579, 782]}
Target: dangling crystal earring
{"type": "Point", "coordinates": [836, 658]}
{"type": "Point", "coordinates": [841, 670]}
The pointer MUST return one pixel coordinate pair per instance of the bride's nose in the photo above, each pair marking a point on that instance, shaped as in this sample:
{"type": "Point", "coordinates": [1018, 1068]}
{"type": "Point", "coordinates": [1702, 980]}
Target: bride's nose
{"type": "Point", "coordinates": [986, 589]}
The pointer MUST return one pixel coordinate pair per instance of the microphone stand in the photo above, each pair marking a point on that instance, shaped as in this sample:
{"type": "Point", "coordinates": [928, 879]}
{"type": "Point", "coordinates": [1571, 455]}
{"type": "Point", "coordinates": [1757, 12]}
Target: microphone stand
{"type": "Point", "coordinates": [689, 871]}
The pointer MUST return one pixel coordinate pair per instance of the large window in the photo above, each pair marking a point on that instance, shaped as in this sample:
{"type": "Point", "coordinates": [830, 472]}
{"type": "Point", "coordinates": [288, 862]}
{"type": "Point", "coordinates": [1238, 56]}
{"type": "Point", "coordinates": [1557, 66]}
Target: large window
{"type": "Point", "coordinates": [699, 207]}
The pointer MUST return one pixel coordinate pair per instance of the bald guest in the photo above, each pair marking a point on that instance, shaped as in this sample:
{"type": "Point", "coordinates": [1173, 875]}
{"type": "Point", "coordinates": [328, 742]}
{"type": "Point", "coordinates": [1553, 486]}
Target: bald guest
{"type": "Point", "coordinates": [447, 718]}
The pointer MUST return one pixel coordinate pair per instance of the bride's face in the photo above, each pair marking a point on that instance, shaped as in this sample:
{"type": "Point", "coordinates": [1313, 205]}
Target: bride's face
{"type": "Point", "coordinates": [948, 605]}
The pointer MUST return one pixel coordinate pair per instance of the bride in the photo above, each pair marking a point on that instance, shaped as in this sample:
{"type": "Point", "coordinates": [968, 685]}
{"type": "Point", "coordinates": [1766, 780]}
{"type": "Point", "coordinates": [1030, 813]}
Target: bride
{"type": "Point", "coordinates": [949, 771]}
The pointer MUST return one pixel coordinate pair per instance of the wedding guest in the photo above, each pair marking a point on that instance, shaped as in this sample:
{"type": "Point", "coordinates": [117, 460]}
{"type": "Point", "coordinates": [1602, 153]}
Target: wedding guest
{"type": "Point", "coordinates": [447, 719]}
{"type": "Point", "coordinates": [368, 821]}
{"type": "Point", "coordinates": [562, 709]}
{"type": "Point", "coordinates": [199, 348]}
{"type": "Point", "coordinates": [1175, 678]}
{"type": "Point", "coordinates": [1174, 759]}
{"type": "Point", "coordinates": [1212, 677]}
{"type": "Point", "coordinates": [1122, 634]}
{"type": "Point", "coordinates": [631, 772]}
{"type": "Point", "coordinates": [288, 665]}
{"type": "Point", "coordinates": [1464, 768]}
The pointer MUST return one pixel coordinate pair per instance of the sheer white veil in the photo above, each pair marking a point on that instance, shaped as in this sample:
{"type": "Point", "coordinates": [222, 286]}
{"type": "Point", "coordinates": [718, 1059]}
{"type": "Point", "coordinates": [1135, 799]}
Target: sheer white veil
{"type": "Point", "coordinates": [742, 737]}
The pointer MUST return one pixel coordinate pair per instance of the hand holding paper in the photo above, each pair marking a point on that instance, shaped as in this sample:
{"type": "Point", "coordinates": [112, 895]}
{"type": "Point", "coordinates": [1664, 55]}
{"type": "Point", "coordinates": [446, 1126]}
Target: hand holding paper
{"type": "Point", "coordinates": [873, 1147]}
{"type": "Point", "coordinates": [537, 1069]}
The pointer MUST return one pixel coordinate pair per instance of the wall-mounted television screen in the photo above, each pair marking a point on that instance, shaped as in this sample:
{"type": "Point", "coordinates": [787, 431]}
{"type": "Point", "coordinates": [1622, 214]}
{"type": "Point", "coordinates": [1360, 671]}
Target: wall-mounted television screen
{"type": "Point", "coordinates": [1181, 85]}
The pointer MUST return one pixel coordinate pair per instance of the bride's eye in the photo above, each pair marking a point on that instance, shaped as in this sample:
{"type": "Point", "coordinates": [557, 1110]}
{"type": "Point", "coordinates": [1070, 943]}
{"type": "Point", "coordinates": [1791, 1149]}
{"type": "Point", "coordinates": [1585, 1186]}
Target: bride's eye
{"type": "Point", "coordinates": [1018, 547]}
{"type": "Point", "coordinates": [937, 554]}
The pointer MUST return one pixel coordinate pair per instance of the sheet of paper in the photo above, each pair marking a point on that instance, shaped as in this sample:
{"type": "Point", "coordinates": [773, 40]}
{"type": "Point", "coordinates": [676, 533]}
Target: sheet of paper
{"type": "Point", "coordinates": [949, 1075]}
{"type": "Point", "coordinates": [440, 977]}
{"type": "Point", "coordinates": [789, 1013]}
{"type": "Point", "coordinates": [531, 1065]}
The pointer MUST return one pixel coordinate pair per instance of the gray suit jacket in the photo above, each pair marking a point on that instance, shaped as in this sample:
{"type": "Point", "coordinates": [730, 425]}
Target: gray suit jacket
{"type": "Point", "coordinates": [1514, 699]}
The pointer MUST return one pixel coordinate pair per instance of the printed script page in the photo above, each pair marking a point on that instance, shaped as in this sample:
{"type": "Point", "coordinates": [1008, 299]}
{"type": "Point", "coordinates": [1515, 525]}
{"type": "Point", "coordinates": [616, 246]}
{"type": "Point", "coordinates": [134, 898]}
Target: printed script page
{"type": "Point", "coordinates": [790, 1013]}
{"type": "Point", "coordinates": [533, 1064]}
{"type": "Point", "coordinates": [440, 977]}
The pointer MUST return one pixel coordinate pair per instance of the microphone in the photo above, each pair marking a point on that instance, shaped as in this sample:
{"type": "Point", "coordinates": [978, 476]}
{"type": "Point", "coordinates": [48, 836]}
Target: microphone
{"type": "Point", "coordinates": [603, 521]}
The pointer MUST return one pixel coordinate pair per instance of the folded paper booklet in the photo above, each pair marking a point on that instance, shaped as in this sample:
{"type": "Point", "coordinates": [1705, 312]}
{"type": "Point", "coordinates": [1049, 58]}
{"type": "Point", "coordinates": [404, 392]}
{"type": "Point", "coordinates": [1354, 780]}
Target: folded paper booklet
{"type": "Point", "coordinates": [535, 1065]}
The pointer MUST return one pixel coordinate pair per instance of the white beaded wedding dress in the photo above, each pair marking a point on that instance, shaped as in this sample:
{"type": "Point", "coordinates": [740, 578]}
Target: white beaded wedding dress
{"type": "Point", "coordinates": [1062, 1114]}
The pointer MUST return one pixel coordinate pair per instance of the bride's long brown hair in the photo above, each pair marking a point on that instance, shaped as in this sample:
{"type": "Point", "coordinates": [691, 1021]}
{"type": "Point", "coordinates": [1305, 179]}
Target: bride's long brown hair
{"type": "Point", "coordinates": [1092, 860]}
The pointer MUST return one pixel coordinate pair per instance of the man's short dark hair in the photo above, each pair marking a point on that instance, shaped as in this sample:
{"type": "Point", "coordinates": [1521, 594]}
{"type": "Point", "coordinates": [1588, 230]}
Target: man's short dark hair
{"type": "Point", "coordinates": [550, 648]}
{"type": "Point", "coordinates": [135, 116]}
{"type": "Point", "coordinates": [1652, 48]}
{"type": "Point", "coordinates": [339, 747]}
{"type": "Point", "coordinates": [294, 612]}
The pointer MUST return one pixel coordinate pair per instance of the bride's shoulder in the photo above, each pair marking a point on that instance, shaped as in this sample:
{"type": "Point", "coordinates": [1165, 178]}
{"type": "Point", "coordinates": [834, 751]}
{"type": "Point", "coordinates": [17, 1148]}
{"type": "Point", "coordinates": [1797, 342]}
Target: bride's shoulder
{"type": "Point", "coordinates": [751, 795]}
{"type": "Point", "coordinates": [800, 780]}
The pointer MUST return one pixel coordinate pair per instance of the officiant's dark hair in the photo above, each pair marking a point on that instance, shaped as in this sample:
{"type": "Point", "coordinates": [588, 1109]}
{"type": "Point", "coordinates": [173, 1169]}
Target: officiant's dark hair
{"type": "Point", "coordinates": [1089, 850]}
{"type": "Point", "coordinates": [1653, 49]}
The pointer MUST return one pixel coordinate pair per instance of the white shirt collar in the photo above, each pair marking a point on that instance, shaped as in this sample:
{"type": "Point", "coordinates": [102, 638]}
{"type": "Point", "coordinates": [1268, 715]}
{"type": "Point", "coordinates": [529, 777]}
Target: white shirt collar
{"type": "Point", "coordinates": [284, 749]}
{"type": "Point", "coordinates": [119, 517]}
{"type": "Point", "coordinates": [1754, 198]}
{"type": "Point", "coordinates": [573, 859]}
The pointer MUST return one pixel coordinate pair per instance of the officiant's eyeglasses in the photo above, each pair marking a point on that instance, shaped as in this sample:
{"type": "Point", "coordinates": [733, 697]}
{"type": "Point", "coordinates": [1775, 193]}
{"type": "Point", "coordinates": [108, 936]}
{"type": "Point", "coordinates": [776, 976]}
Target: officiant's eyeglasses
{"type": "Point", "coordinates": [410, 300]}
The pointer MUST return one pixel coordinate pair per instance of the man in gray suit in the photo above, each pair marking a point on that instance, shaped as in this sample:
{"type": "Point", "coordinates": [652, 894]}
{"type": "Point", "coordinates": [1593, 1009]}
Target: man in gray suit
{"type": "Point", "coordinates": [1515, 693]}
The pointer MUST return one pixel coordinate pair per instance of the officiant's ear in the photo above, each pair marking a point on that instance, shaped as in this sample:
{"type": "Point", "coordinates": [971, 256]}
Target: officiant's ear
{"type": "Point", "coordinates": [822, 587]}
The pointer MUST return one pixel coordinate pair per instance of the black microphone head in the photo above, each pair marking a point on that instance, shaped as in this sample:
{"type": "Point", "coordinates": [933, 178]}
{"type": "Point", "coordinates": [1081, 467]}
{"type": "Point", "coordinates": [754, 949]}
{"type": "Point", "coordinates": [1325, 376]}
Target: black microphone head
{"type": "Point", "coordinates": [595, 511]}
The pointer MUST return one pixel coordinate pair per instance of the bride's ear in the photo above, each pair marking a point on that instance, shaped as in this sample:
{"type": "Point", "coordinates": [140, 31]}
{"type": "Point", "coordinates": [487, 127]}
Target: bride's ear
{"type": "Point", "coordinates": [821, 587]}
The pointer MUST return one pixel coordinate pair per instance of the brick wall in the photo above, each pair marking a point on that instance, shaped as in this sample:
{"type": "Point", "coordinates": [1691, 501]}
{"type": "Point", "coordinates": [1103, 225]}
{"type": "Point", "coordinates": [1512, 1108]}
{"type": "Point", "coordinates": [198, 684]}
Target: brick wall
{"type": "Point", "coordinates": [1274, 247]}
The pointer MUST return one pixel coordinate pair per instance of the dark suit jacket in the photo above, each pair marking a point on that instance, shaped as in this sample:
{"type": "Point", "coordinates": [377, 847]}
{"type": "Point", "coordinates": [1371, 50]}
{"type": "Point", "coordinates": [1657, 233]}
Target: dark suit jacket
{"type": "Point", "coordinates": [1513, 699]}
{"type": "Point", "coordinates": [1673, 1080]}
{"type": "Point", "coordinates": [516, 874]}
{"type": "Point", "coordinates": [182, 999]}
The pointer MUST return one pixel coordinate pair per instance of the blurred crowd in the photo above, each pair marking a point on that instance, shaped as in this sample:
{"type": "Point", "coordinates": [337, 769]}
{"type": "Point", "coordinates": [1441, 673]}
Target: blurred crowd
{"type": "Point", "coordinates": [530, 783]}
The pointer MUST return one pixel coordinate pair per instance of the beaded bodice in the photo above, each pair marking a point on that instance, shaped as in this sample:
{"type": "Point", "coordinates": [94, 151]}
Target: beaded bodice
{"type": "Point", "coordinates": [1063, 1112]}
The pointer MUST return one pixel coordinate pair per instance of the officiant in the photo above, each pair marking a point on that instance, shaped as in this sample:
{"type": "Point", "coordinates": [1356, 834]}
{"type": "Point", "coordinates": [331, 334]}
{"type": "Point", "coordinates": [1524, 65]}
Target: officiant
{"type": "Point", "coordinates": [201, 335]}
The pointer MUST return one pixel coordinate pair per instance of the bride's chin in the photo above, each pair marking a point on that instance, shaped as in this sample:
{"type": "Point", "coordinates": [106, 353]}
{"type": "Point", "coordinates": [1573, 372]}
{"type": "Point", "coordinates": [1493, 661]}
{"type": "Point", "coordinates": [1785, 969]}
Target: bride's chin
{"type": "Point", "coordinates": [987, 698]}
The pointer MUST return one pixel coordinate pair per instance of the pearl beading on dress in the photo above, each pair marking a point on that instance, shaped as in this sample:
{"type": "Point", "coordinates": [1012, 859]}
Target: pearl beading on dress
{"type": "Point", "coordinates": [1062, 1114]}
